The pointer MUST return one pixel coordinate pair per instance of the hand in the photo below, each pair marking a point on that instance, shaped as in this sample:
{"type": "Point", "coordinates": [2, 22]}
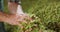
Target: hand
{"type": "Point", "coordinates": [13, 19]}
{"type": "Point", "coordinates": [23, 17]}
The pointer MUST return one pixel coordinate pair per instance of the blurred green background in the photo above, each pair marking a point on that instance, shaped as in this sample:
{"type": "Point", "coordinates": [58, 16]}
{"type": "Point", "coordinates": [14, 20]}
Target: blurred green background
{"type": "Point", "coordinates": [46, 15]}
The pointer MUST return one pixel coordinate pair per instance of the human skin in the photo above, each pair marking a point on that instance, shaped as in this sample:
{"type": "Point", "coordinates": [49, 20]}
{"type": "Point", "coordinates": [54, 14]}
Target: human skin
{"type": "Point", "coordinates": [12, 6]}
{"type": "Point", "coordinates": [13, 18]}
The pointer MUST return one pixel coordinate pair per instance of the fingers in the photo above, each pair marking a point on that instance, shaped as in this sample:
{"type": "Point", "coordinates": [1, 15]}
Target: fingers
{"type": "Point", "coordinates": [25, 16]}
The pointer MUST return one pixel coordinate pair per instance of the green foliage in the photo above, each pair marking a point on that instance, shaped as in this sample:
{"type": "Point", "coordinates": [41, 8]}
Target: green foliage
{"type": "Point", "coordinates": [5, 6]}
{"type": "Point", "coordinates": [43, 12]}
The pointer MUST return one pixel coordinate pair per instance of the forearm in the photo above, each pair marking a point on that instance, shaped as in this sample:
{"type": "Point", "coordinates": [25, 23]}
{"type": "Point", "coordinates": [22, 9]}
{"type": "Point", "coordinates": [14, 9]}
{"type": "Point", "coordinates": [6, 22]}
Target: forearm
{"type": "Point", "coordinates": [3, 16]}
{"type": "Point", "coordinates": [7, 17]}
{"type": "Point", "coordinates": [12, 7]}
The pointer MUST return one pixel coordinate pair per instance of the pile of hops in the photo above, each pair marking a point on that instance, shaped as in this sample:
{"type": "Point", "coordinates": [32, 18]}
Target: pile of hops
{"type": "Point", "coordinates": [54, 26]}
